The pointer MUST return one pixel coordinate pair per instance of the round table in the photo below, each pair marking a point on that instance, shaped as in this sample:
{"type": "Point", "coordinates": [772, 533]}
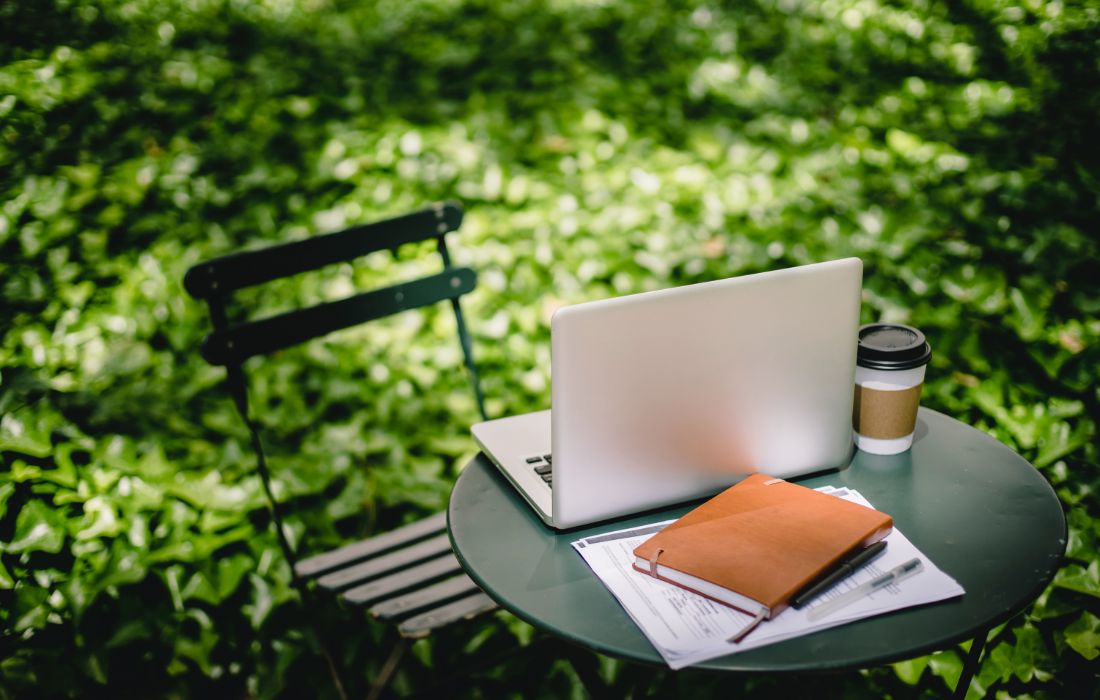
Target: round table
{"type": "Point", "coordinates": [973, 506]}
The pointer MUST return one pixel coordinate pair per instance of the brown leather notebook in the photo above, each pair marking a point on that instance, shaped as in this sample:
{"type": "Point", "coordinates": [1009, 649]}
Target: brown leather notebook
{"type": "Point", "coordinates": [758, 543]}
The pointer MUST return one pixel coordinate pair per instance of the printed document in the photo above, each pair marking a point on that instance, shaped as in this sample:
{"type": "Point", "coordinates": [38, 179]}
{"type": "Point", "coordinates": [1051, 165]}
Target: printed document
{"type": "Point", "coordinates": [687, 628]}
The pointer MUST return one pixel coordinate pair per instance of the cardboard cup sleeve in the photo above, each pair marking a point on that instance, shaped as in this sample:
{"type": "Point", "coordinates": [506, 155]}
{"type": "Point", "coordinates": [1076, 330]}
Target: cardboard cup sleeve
{"type": "Point", "coordinates": [883, 414]}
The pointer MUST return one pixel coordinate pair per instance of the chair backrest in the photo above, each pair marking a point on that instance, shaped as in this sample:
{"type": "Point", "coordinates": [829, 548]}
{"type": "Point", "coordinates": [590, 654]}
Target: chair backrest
{"type": "Point", "coordinates": [230, 345]}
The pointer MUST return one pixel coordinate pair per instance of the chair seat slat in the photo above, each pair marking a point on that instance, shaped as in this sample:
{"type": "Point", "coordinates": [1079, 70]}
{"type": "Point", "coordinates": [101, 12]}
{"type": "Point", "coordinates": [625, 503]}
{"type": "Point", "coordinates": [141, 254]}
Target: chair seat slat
{"type": "Point", "coordinates": [422, 625]}
{"type": "Point", "coordinates": [435, 594]}
{"type": "Point", "coordinates": [386, 564]}
{"type": "Point", "coordinates": [403, 580]}
{"type": "Point", "coordinates": [364, 549]}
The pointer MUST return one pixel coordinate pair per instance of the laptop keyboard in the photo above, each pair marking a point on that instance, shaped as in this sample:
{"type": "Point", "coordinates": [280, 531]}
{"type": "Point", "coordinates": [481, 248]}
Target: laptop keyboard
{"type": "Point", "coordinates": [542, 466]}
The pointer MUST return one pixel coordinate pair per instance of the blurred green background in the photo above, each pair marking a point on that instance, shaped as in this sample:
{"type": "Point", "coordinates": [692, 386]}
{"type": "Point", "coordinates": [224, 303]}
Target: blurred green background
{"type": "Point", "coordinates": [599, 148]}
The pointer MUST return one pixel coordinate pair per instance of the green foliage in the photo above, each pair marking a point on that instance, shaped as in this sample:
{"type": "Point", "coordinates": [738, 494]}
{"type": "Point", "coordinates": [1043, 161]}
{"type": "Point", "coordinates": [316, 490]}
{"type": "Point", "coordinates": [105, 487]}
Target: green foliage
{"type": "Point", "coordinates": [599, 149]}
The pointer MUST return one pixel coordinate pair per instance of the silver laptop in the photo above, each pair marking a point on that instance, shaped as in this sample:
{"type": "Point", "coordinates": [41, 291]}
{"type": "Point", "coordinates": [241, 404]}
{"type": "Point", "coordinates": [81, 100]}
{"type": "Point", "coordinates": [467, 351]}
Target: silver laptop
{"type": "Point", "coordinates": [671, 395]}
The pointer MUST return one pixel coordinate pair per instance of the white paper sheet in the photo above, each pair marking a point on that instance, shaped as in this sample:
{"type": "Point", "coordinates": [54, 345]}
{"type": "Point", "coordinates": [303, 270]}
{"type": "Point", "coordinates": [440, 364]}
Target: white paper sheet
{"type": "Point", "coordinates": [687, 628]}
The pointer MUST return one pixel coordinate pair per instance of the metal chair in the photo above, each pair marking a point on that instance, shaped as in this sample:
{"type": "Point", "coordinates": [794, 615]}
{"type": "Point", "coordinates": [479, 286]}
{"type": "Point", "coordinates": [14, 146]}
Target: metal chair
{"type": "Point", "coordinates": [408, 575]}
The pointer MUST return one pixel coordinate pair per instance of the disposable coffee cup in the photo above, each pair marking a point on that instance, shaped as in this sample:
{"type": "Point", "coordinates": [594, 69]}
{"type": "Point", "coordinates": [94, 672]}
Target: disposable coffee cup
{"type": "Point", "coordinates": [890, 364]}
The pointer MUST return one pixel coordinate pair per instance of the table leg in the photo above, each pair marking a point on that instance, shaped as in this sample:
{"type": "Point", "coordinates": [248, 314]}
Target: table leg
{"type": "Point", "coordinates": [970, 664]}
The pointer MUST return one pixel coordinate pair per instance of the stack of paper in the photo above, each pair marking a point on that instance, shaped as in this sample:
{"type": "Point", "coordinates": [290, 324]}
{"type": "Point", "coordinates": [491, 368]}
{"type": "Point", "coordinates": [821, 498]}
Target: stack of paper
{"type": "Point", "coordinates": [687, 628]}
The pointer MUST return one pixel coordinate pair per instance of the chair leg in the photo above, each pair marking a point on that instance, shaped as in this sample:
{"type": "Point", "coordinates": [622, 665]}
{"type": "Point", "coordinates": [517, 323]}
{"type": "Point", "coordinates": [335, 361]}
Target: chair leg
{"type": "Point", "coordinates": [238, 388]}
{"type": "Point", "coordinates": [388, 669]}
{"type": "Point", "coordinates": [970, 665]}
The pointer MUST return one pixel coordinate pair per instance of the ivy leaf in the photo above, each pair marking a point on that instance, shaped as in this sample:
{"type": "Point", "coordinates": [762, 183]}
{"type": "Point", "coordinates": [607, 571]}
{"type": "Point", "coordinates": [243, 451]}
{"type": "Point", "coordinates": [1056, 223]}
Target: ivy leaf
{"type": "Point", "coordinates": [171, 575]}
{"type": "Point", "coordinates": [198, 648]}
{"type": "Point", "coordinates": [6, 490]}
{"type": "Point", "coordinates": [1028, 308]}
{"type": "Point", "coordinates": [979, 287]}
{"type": "Point", "coordinates": [210, 492]}
{"type": "Point", "coordinates": [1029, 654]}
{"type": "Point", "coordinates": [911, 670]}
{"type": "Point", "coordinates": [1060, 441]}
{"type": "Point", "coordinates": [18, 436]}
{"type": "Point", "coordinates": [947, 665]}
{"type": "Point", "coordinates": [91, 662]}
{"type": "Point", "coordinates": [6, 581]}
{"type": "Point", "coordinates": [38, 528]}
{"type": "Point", "coordinates": [1080, 579]}
{"type": "Point", "coordinates": [1084, 534]}
{"type": "Point", "coordinates": [126, 566]}
{"type": "Point", "coordinates": [195, 548]}
{"type": "Point", "coordinates": [996, 666]}
{"type": "Point", "coordinates": [199, 588]}
{"type": "Point", "coordinates": [263, 601]}
{"type": "Point", "coordinates": [1028, 316]}
{"type": "Point", "coordinates": [1025, 659]}
{"type": "Point", "coordinates": [1083, 636]}
{"type": "Point", "coordinates": [128, 632]}
{"type": "Point", "coordinates": [66, 473]}
{"type": "Point", "coordinates": [31, 608]}
{"type": "Point", "coordinates": [230, 571]}
{"type": "Point", "coordinates": [1049, 606]}
{"type": "Point", "coordinates": [100, 520]}
{"type": "Point", "coordinates": [78, 595]}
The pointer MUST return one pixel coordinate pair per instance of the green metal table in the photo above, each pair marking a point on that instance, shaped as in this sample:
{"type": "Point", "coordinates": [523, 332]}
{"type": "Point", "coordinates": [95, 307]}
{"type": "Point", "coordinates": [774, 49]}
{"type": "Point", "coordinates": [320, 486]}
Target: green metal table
{"type": "Point", "coordinates": [980, 512]}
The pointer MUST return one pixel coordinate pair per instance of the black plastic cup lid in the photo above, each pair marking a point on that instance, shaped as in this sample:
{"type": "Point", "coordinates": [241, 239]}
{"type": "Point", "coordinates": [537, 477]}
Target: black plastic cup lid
{"type": "Point", "coordinates": [892, 346]}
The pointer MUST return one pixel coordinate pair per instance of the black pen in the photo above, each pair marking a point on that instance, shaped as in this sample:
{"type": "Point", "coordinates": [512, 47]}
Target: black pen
{"type": "Point", "coordinates": [843, 571]}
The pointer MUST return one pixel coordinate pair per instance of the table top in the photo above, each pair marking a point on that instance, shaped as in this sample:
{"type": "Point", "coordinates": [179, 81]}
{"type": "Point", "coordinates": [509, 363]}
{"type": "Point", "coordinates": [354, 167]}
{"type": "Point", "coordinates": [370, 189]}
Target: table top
{"type": "Point", "coordinates": [977, 509]}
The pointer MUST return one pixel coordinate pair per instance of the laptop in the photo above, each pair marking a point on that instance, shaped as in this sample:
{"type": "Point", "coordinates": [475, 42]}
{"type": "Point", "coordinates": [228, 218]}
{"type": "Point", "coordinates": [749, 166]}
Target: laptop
{"type": "Point", "coordinates": [667, 396]}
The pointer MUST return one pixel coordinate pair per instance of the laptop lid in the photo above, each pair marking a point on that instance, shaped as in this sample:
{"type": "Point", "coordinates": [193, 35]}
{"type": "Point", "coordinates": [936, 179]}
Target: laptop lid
{"type": "Point", "coordinates": [666, 396]}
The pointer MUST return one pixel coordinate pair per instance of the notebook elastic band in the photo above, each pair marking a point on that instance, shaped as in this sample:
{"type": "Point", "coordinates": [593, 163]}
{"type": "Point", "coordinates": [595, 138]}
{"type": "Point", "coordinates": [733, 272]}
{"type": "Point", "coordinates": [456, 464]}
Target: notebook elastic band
{"type": "Point", "coordinates": [744, 632]}
{"type": "Point", "coordinates": [653, 562]}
